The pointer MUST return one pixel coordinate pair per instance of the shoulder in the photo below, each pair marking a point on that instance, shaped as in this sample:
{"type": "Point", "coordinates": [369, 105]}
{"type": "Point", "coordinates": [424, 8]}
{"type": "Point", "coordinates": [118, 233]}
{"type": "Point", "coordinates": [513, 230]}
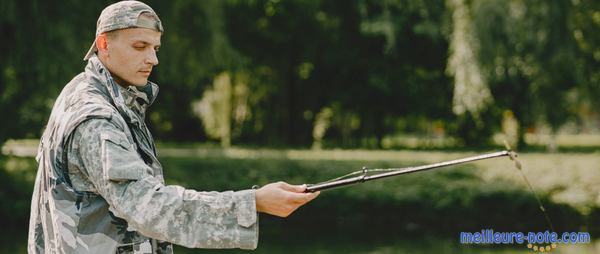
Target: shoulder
{"type": "Point", "coordinates": [97, 125]}
{"type": "Point", "coordinates": [96, 128]}
{"type": "Point", "coordinates": [89, 100]}
{"type": "Point", "coordinates": [91, 133]}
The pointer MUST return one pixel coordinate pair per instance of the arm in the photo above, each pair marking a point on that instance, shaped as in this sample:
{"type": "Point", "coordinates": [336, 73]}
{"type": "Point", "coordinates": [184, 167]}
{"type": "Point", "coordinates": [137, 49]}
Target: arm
{"type": "Point", "coordinates": [169, 213]}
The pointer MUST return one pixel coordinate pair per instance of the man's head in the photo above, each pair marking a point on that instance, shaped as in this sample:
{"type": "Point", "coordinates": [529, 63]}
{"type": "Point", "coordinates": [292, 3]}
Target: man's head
{"type": "Point", "coordinates": [127, 38]}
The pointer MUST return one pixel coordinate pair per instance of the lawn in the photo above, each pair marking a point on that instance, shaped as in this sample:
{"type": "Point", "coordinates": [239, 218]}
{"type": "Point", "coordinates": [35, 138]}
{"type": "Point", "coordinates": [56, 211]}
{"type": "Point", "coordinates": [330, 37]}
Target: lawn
{"type": "Point", "coordinates": [438, 203]}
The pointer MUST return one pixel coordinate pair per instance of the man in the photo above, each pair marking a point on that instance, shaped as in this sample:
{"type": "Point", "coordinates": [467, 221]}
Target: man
{"type": "Point", "coordinates": [99, 186]}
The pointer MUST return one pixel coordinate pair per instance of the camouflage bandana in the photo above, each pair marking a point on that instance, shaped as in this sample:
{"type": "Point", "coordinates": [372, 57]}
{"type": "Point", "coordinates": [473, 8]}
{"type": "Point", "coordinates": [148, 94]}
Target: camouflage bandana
{"type": "Point", "coordinates": [123, 15]}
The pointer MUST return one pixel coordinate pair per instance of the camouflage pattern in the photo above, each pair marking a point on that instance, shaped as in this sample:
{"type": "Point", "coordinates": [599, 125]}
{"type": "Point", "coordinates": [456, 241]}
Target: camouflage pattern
{"type": "Point", "coordinates": [121, 15]}
{"type": "Point", "coordinates": [100, 189]}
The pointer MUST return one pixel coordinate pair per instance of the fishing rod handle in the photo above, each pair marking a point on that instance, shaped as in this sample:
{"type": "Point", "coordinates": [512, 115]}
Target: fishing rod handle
{"type": "Point", "coordinates": [330, 185]}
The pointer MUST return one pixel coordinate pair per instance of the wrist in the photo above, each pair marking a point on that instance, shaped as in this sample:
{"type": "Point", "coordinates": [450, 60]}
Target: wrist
{"type": "Point", "coordinates": [258, 199]}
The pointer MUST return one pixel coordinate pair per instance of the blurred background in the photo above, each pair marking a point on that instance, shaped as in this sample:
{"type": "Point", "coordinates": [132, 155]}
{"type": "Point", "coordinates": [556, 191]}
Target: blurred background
{"type": "Point", "coordinates": [256, 91]}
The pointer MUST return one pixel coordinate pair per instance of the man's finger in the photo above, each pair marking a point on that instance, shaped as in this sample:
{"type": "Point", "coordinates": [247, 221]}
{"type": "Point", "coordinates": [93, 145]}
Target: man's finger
{"type": "Point", "coordinates": [293, 188]}
{"type": "Point", "coordinates": [301, 198]}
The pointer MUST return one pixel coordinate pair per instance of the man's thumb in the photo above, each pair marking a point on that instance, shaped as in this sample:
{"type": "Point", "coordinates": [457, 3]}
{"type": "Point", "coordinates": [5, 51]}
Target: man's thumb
{"type": "Point", "coordinates": [294, 188]}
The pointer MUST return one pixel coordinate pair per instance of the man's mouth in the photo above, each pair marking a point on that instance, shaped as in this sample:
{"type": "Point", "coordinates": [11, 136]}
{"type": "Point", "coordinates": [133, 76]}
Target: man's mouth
{"type": "Point", "coordinates": [145, 73]}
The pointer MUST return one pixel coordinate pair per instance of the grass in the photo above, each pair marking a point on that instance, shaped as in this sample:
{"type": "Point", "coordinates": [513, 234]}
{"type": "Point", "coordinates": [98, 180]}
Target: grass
{"type": "Point", "coordinates": [487, 194]}
{"type": "Point", "coordinates": [471, 197]}
{"type": "Point", "coordinates": [485, 191]}
{"type": "Point", "coordinates": [566, 178]}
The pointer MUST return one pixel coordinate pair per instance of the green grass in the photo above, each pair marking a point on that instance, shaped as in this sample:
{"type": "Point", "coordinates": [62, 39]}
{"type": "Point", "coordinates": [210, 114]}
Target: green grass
{"type": "Point", "coordinates": [465, 196]}
{"type": "Point", "coordinates": [440, 203]}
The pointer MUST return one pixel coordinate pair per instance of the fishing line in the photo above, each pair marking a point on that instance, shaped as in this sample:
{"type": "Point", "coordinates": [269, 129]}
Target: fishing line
{"type": "Point", "coordinates": [519, 167]}
{"type": "Point", "coordinates": [367, 174]}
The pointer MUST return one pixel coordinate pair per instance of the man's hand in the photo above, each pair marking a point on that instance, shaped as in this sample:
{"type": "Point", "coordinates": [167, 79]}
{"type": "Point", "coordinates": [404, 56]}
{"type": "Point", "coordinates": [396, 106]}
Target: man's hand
{"type": "Point", "coordinates": [281, 199]}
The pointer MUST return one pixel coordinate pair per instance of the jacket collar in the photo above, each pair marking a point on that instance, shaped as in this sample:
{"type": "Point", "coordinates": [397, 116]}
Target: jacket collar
{"type": "Point", "coordinates": [126, 100]}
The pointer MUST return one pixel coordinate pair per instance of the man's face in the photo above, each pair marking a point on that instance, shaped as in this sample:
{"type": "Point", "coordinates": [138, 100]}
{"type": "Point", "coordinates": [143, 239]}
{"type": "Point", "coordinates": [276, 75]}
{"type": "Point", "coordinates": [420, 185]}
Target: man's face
{"type": "Point", "coordinates": [131, 54]}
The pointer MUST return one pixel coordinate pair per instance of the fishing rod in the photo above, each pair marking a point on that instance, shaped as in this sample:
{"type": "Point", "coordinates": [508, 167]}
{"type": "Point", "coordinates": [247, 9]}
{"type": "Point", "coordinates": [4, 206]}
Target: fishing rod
{"type": "Point", "coordinates": [363, 175]}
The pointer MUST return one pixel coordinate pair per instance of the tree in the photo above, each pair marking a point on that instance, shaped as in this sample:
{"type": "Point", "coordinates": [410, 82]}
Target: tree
{"type": "Point", "coordinates": [527, 53]}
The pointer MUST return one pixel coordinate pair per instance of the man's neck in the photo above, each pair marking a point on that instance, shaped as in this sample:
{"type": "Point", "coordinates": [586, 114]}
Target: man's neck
{"type": "Point", "coordinates": [120, 81]}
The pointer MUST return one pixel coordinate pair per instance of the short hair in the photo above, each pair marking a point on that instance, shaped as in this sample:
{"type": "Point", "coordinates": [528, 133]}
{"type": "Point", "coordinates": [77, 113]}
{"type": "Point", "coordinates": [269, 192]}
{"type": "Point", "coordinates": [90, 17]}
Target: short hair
{"type": "Point", "coordinates": [111, 35]}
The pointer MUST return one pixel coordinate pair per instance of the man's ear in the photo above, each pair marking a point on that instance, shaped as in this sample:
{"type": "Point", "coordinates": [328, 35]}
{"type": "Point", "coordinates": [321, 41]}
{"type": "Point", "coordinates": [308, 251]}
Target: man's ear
{"type": "Point", "coordinates": [102, 43]}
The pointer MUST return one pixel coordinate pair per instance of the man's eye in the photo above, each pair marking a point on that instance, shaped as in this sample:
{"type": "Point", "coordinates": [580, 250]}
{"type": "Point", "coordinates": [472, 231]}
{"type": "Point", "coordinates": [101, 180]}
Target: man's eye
{"type": "Point", "coordinates": [139, 47]}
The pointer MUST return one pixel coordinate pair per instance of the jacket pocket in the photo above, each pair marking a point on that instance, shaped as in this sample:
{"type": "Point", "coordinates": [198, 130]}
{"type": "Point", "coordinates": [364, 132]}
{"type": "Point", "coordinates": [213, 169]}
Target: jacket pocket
{"type": "Point", "coordinates": [120, 161]}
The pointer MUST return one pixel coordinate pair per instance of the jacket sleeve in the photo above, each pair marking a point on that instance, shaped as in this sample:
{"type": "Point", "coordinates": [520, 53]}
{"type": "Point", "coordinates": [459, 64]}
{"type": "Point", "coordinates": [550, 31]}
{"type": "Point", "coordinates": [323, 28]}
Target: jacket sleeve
{"type": "Point", "coordinates": [165, 212]}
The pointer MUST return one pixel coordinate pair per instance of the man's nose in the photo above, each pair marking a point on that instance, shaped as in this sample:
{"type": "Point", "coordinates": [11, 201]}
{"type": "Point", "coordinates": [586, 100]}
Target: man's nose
{"type": "Point", "coordinates": [151, 57]}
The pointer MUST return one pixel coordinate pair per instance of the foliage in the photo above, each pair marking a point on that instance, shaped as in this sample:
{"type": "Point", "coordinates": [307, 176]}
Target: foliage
{"type": "Point", "coordinates": [471, 94]}
{"type": "Point", "coordinates": [16, 179]}
{"type": "Point", "coordinates": [585, 21]}
{"type": "Point", "coordinates": [376, 64]}
{"type": "Point", "coordinates": [411, 204]}
{"type": "Point", "coordinates": [528, 53]}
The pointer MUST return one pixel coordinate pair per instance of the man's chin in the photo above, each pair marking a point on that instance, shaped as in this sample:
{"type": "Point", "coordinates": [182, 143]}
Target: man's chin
{"type": "Point", "coordinates": [139, 82]}
{"type": "Point", "coordinates": [136, 81]}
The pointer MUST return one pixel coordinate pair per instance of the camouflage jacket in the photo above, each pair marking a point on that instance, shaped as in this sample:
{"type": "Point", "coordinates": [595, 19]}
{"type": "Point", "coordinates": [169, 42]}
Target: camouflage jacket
{"type": "Point", "coordinates": [99, 186]}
